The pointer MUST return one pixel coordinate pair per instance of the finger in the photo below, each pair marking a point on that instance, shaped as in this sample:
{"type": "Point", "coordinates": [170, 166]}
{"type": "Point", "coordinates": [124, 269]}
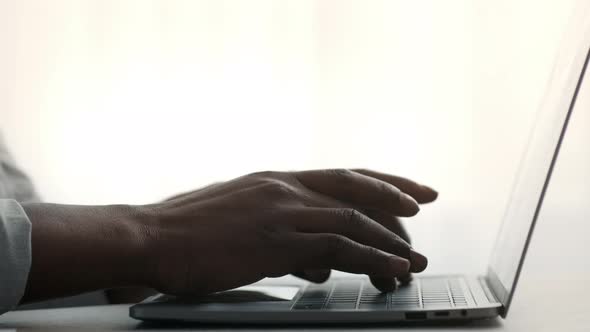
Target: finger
{"type": "Point", "coordinates": [421, 193]}
{"type": "Point", "coordinates": [359, 190]}
{"type": "Point", "coordinates": [404, 280]}
{"type": "Point", "coordinates": [331, 251]}
{"type": "Point", "coordinates": [390, 222]}
{"type": "Point", "coordinates": [384, 284]}
{"type": "Point", "coordinates": [393, 224]}
{"type": "Point", "coordinates": [357, 227]}
{"type": "Point", "coordinates": [314, 275]}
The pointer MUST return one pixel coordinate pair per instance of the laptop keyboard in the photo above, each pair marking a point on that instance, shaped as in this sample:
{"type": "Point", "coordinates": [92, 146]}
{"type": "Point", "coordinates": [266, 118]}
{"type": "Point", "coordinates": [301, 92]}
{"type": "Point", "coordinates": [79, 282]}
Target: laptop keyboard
{"type": "Point", "coordinates": [422, 293]}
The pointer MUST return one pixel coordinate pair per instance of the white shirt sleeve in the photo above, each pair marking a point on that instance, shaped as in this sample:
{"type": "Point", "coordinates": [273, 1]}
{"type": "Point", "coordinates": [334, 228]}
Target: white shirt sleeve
{"type": "Point", "coordinates": [15, 253]}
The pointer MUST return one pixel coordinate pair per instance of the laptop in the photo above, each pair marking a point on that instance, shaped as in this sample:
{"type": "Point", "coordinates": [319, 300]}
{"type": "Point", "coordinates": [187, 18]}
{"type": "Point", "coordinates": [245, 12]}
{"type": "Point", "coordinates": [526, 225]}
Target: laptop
{"type": "Point", "coordinates": [426, 298]}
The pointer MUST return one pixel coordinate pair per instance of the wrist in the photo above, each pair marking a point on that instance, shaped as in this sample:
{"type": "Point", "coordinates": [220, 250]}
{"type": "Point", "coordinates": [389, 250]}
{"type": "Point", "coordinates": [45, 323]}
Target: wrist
{"type": "Point", "coordinates": [77, 249]}
{"type": "Point", "coordinates": [138, 231]}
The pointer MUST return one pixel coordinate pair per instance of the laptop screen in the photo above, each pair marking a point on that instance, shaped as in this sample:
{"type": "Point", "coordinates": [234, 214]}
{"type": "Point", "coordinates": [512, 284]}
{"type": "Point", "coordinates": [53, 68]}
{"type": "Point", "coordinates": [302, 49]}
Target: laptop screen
{"type": "Point", "coordinates": [537, 163]}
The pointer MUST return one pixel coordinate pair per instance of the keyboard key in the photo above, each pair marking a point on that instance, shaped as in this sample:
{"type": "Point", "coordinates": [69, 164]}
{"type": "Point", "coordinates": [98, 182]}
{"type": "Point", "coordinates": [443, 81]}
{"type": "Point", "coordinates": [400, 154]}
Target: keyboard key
{"type": "Point", "coordinates": [314, 306]}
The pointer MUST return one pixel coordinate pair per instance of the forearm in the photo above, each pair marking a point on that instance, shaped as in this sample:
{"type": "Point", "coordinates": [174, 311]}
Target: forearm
{"type": "Point", "coordinates": [76, 249]}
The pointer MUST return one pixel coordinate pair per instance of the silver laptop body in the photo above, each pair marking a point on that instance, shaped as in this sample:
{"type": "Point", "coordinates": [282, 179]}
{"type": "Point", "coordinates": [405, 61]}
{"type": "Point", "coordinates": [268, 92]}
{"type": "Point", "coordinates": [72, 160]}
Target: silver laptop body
{"type": "Point", "coordinates": [445, 297]}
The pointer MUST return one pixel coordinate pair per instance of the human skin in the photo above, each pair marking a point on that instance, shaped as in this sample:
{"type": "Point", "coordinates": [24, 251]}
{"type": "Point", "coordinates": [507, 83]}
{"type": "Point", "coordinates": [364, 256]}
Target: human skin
{"type": "Point", "coordinates": [226, 235]}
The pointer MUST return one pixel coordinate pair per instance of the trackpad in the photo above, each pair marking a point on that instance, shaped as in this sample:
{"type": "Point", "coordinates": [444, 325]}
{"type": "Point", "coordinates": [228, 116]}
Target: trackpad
{"type": "Point", "coordinates": [254, 297]}
{"type": "Point", "coordinates": [253, 294]}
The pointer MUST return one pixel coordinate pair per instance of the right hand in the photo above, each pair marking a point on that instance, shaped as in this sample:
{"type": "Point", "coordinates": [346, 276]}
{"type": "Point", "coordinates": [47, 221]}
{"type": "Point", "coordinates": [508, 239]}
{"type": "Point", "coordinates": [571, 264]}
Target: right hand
{"type": "Point", "coordinates": [271, 224]}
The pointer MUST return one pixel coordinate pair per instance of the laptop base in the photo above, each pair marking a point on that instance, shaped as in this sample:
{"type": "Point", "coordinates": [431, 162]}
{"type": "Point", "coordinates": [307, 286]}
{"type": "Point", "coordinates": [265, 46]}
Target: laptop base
{"type": "Point", "coordinates": [338, 301]}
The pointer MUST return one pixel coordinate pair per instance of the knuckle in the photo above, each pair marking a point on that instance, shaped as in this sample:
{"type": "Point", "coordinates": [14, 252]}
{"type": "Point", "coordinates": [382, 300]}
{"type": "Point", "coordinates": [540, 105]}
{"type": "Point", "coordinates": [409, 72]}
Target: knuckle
{"type": "Point", "coordinates": [374, 252]}
{"type": "Point", "coordinates": [270, 236]}
{"type": "Point", "coordinates": [388, 189]}
{"type": "Point", "coordinates": [264, 174]}
{"type": "Point", "coordinates": [342, 172]}
{"type": "Point", "coordinates": [276, 188]}
{"type": "Point", "coordinates": [334, 245]}
{"type": "Point", "coordinates": [353, 217]}
{"type": "Point", "coordinates": [389, 192]}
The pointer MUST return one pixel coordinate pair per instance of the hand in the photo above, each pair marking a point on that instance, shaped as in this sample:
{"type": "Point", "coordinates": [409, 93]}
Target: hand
{"type": "Point", "coordinates": [271, 224]}
{"type": "Point", "coordinates": [230, 234]}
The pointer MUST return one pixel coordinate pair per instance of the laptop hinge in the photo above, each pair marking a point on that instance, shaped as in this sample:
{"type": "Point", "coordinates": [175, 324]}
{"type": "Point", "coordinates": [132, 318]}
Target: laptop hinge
{"type": "Point", "coordinates": [489, 293]}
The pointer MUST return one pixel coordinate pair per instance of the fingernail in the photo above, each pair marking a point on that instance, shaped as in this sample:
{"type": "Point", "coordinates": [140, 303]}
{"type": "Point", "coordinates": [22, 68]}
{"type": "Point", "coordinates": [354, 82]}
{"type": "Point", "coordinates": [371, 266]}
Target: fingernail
{"type": "Point", "coordinates": [409, 204]}
{"type": "Point", "coordinates": [384, 283]}
{"type": "Point", "coordinates": [402, 265]}
{"type": "Point", "coordinates": [432, 191]}
{"type": "Point", "coordinates": [419, 261]}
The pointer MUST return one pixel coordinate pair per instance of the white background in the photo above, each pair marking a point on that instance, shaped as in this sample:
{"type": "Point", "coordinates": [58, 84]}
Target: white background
{"type": "Point", "coordinates": [133, 101]}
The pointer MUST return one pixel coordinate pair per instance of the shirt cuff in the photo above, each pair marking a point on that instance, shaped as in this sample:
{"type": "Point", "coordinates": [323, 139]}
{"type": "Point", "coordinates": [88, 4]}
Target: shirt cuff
{"type": "Point", "coordinates": [15, 253]}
